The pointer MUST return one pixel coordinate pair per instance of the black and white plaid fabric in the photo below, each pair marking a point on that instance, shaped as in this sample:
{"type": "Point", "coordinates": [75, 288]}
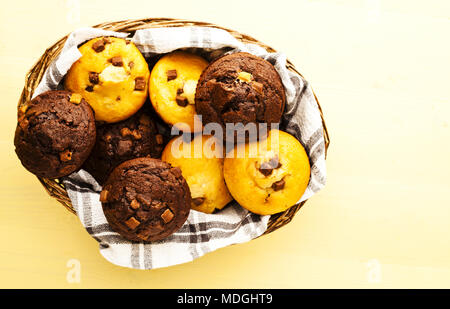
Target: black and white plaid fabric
{"type": "Point", "coordinates": [202, 233]}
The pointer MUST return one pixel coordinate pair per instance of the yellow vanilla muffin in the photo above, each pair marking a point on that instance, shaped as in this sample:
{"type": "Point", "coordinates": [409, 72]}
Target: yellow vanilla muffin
{"type": "Point", "coordinates": [201, 163]}
{"type": "Point", "coordinates": [172, 88]}
{"type": "Point", "coordinates": [112, 75]}
{"type": "Point", "coordinates": [268, 176]}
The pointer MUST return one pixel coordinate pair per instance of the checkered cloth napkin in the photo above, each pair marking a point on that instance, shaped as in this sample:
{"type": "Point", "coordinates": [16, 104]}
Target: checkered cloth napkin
{"type": "Point", "coordinates": [201, 233]}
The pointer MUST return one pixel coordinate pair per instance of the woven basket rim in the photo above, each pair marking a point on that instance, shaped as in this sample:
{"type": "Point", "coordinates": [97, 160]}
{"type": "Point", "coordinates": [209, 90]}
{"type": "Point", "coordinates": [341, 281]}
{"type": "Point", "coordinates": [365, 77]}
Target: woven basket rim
{"type": "Point", "coordinates": [55, 188]}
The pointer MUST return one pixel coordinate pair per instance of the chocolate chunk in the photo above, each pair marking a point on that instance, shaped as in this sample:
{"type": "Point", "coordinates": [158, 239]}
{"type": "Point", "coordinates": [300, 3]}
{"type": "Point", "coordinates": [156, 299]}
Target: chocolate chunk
{"type": "Point", "coordinates": [266, 169]}
{"type": "Point", "coordinates": [132, 223]}
{"type": "Point", "coordinates": [278, 185]}
{"type": "Point", "coordinates": [182, 101]}
{"type": "Point", "coordinates": [93, 78]}
{"type": "Point", "coordinates": [104, 196]}
{"type": "Point", "coordinates": [65, 155]}
{"type": "Point", "coordinates": [180, 91]}
{"type": "Point", "coordinates": [198, 201]}
{"type": "Point", "coordinates": [258, 87]}
{"type": "Point", "coordinates": [118, 98]}
{"type": "Point", "coordinates": [171, 74]}
{"type": "Point", "coordinates": [139, 83]}
{"type": "Point", "coordinates": [144, 235]}
{"type": "Point", "coordinates": [89, 88]}
{"type": "Point", "coordinates": [135, 204]}
{"type": "Point", "coordinates": [125, 131]}
{"type": "Point", "coordinates": [136, 134]}
{"type": "Point", "coordinates": [99, 46]}
{"type": "Point", "coordinates": [117, 61]}
{"type": "Point", "coordinates": [124, 147]}
{"type": "Point", "coordinates": [167, 216]}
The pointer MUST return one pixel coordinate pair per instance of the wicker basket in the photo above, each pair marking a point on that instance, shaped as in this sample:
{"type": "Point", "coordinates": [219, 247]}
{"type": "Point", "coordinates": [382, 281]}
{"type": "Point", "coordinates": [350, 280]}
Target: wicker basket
{"type": "Point", "coordinates": [55, 187]}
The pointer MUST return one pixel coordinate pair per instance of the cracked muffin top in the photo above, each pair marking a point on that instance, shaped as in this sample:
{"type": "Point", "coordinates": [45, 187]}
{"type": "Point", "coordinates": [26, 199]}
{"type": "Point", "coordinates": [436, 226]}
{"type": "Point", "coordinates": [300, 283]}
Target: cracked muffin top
{"type": "Point", "coordinates": [112, 75]}
{"type": "Point", "coordinates": [146, 199]}
{"type": "Point", "coordinates": [240, 88]}
{"type": "Point", "coordinates": [55, 134]}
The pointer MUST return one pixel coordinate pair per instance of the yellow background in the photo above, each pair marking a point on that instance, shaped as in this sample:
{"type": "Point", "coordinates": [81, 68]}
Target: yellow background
{"type": "Point", "coordinates": [381, 72]}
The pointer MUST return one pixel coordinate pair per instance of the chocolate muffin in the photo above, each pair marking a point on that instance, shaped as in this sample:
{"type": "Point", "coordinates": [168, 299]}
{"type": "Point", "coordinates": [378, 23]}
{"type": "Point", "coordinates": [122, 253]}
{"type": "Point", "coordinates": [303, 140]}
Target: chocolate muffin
{"type": "Point", "coordinates": [146, 199]}
{"type": "Point", "coordinates": [55, 134]}
{"type": "Point", "coordinates": [240, 88]}
{"type": "Point", "coordinates": [121, 141]}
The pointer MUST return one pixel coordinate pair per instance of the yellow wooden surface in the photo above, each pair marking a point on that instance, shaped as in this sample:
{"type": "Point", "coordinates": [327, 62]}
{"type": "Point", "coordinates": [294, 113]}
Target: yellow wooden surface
{"type": "Point", "coordinates": [381, 72]}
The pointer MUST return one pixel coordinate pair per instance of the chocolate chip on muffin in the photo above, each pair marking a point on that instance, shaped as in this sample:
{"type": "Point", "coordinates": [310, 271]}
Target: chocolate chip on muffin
{"type": "Point", "coordinates": [267, 168]}
{"type": "Point", "coordinates": [171, 74]}
{"type": "Point", "coordinates": [198, 201]}
{"type": "Point", "coordinates": [55, 134]}
{"type": "Point", "coordinates": [117, 61]}
{"type": "Point", "coordinates": [65, 155]}
{"type": "Point", "coordinates": [258, 87]}
{"type": "Point", "coordinates": [278, 185]}
{"type": "Point", "coordinates": [121, 141]}
{"type": "Point", "coordinates": [145, 200]}
{"type": "Point", "coordinates": [181, 101]}
{"type": "Point", "coordinates": [167, 215]}
{"type": "Point", "coordinates": [93, 77]}
{"type": "Point", "coordinates": [139, 83]}
{"type": "Point", "coordinates": [240, 88]}
{"type": "Point", "coordinates": [135, 204]}
{"type": "Point", "coordinates": [99, 46]}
